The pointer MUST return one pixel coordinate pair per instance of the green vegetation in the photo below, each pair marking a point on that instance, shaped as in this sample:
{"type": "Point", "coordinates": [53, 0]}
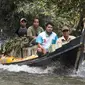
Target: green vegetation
{"type": "Point", "coordinates": [60, 12]}
{"type": "Point", "coordinates": [14, 44]}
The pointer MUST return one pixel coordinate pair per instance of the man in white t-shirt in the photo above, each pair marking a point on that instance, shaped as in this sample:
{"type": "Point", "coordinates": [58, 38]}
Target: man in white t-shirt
{"type": "Point", "coordinates": [46, 39]}
{"type": "Point", "coordinates": [66, 38]}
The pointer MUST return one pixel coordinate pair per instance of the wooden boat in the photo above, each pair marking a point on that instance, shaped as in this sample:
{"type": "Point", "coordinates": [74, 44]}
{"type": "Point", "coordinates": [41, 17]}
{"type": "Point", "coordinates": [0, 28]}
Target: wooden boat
{"type": "Point", "coordinates": [67, 55]}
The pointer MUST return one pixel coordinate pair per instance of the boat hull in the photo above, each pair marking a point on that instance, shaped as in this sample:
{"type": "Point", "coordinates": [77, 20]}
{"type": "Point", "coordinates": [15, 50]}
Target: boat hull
{"type": "Point", "coordinates": [66, 55]}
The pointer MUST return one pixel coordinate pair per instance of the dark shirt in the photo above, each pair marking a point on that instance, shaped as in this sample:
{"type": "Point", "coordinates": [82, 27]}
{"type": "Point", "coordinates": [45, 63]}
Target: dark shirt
{"type": "Point", "coordinates": [22, 31]}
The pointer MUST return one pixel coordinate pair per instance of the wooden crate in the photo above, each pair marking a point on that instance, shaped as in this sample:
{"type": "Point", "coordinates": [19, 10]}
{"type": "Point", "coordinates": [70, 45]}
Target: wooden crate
{"type": "Point", "coordinates": [29, 51]}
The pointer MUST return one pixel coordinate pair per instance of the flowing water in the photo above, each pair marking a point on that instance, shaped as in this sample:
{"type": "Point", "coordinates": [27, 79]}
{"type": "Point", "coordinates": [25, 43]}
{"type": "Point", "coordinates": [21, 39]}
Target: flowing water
{"type": "Point", "coordinates": [25, 75]}
{"type": "Point", "coordinates": [51, 75]}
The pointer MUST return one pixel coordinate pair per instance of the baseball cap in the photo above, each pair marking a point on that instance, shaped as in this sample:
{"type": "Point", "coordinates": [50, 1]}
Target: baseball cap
{"type": "Point", "coordinates": [65, 28]}
{"type": "Point", "coordinates": [23, 19]}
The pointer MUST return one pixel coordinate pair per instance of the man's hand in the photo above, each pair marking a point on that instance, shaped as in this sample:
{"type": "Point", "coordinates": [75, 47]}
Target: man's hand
{"type": "Point", "coordinates": [41, 49]}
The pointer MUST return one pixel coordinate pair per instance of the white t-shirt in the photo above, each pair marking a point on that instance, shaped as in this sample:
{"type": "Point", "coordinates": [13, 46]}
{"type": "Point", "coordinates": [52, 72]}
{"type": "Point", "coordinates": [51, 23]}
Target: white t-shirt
{"type": "Point", "coordinates": [46, 40]}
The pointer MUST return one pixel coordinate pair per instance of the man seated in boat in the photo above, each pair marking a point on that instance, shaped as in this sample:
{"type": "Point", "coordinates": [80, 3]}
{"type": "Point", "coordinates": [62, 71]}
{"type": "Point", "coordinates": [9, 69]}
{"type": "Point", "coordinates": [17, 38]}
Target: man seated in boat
{"type": "Point", "coordinates": [46, 39]}
{"type": "Point", "coordinates": [34, 30]}
{"type": "Point", "coordinates": [66, 38]}
{"type": "Point", "coordinates": [22, 31]}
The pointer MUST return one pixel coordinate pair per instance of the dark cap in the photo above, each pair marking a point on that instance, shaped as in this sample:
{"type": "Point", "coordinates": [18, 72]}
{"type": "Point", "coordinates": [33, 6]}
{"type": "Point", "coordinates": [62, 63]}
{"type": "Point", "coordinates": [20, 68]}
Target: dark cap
{"type": "Point", "coordinates": [65, 28]}
{"type": "Point", "coordinates": [23, 19]}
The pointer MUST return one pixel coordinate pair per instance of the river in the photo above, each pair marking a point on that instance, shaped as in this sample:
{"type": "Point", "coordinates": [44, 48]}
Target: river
{"type": "Point", "coordinates": [25, 75]}
{"type": "Point", "coordinates": [51, 75]}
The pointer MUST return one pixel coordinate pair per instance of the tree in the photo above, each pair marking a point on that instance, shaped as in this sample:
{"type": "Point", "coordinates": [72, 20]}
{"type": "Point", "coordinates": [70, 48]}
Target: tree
{"type": "Point", "coordinates": [60, 12]}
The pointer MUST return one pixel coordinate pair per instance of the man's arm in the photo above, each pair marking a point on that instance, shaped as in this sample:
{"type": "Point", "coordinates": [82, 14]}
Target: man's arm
{"type": "Point", "coordinates": [39, 40]}
{"type": "Point", "coordinates": [43, 50]}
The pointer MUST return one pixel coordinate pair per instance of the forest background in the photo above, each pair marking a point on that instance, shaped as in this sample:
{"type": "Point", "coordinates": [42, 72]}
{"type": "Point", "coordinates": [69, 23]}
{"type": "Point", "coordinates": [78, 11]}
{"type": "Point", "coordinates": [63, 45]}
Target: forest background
{"type": "Point", "coordinates": [60, 12]}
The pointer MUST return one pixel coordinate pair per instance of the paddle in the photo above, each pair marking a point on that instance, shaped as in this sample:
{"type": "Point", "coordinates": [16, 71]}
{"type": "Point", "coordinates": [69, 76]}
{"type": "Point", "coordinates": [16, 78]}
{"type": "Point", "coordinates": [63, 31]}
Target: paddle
{"type": "Point", "coordinates": [80, 54]}
{"type": "Point", "coordinates": [21, 51]}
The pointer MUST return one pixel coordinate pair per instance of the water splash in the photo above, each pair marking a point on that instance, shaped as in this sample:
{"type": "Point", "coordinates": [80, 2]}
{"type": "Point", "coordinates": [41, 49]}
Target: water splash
{"type": "Point", "coordinates": [81, 70]}
{"type": "Point", "coordinates": [25, 68]}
